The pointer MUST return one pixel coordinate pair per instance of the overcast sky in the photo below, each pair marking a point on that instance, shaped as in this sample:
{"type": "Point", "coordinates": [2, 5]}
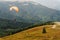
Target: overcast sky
{"type": "Point", "coordinates": [55, 4]}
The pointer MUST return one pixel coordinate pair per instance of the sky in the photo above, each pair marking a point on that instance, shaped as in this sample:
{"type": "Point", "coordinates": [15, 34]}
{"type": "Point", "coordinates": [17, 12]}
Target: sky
{"type": "Point", "coordinates": [54, 4]}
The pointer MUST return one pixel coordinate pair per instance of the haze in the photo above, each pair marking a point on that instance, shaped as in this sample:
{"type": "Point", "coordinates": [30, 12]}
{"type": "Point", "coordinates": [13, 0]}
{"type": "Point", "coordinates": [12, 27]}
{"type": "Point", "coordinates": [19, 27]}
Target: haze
{"type": "Point", "coordinates": [54, 4]}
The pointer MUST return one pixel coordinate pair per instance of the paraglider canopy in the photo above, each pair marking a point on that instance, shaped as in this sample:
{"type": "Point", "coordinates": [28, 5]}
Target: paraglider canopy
{"type": "Point", "coordinates": [14, 8]}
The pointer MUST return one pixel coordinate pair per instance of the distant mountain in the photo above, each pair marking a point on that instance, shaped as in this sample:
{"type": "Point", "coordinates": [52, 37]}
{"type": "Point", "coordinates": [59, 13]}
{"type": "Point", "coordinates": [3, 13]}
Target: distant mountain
{"type": "Point", "coordinates": [29, 12]}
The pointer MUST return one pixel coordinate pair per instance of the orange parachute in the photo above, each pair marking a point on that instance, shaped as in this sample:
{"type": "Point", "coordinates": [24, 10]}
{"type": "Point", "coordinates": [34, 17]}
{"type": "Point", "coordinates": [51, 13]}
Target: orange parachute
{"type": "Point", "coordinates": [14, 8]}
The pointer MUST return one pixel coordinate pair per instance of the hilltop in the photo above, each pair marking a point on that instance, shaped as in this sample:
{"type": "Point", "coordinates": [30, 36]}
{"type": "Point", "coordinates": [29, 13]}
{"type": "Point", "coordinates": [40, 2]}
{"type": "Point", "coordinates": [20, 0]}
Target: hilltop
{"type": "Point", "coordinates": [35, 34]}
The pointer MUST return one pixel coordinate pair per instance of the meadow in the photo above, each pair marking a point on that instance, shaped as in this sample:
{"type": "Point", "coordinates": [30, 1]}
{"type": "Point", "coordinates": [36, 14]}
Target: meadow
{"type": "Point", "coordinates": [35, 34]}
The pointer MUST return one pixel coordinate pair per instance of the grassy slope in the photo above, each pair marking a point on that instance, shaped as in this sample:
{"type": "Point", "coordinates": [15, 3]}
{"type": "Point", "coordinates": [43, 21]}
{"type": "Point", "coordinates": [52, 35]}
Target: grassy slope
{"type": "Point", "coordinates": [35, 34]}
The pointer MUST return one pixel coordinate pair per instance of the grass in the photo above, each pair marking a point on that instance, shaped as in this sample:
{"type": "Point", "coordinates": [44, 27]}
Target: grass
{"type": "Point", "coordinates": [35, 34]}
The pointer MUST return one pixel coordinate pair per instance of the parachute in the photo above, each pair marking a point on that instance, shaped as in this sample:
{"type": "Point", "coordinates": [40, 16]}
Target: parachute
{"type": "Point", "coordinates": [14, 8]}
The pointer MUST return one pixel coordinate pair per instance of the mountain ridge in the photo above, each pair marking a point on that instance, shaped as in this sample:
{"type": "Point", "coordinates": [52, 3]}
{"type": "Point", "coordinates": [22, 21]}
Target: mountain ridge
{"type": "Point", "coordinates": [29, 12]}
